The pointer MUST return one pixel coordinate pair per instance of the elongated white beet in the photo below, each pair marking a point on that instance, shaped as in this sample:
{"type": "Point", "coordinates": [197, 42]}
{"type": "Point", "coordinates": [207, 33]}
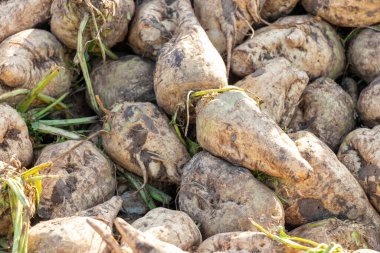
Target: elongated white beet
{"type": "Point", "coordinates": [153, 25]}
{"type": "Point", "coordinates": [142, 141]}
{"type": "Point", "coordinates": [187, 62]}
{"type": "Point", "coordinates": [331, 190]}
{"type": "Point", "coordinates": [112, 17]}
{"type": "Point", "coordinates": [16, 16]}
{"type": "Point", "coordinates": [222, 197]}
{"type": "Point", "coordinates": [232, 126]}
{"type": "Point", "coordinates": [368, 104]}
{"type": "Point", "coordinates": [82, 170]}
{"type": "Point", "coordinates": [309, 44]}
{"type": "Point", "coordinates": [27, 57]}
{"type": "Point", "coordinates": [279, 86]}
{"type": "Point", "coordinates": [174, 227]}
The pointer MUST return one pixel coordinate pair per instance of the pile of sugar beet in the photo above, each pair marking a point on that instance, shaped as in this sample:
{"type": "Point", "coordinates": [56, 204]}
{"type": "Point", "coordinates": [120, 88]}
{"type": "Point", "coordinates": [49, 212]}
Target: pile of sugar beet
{"type": "Point", "coordinates": [252, 115]}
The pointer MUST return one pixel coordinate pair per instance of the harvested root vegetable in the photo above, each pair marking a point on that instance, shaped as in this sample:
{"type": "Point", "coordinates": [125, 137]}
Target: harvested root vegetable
{"type": "Point", "coordinates": [349, 234]}
{"type": "Point", "coordinates": [174, 227]}
{"type": "Point", "coordinates": [187, 62]}
{"type": "Point", "coordinates": [27, 57]}
{"type": "Point", "coordinates": [368, 104]}
{"type": "Point", "coordinates": [363, 54]}
{"type": "Point", "coordinates": [350, 86]}
{"type": "Point", "coordinates": [222, 197]}
{"type": "Point", "coordinates": [239, 242]}
{"type": "Point", "coordinates": [309, 44]}
{"type": "Point", "coordinates": [227, 22]}
{"type": "Point", "coordinates": [360, 152]}
{"type": "Point", "coordinates": [232, 126]}
{"type": "Point", "coordinates": [331, 190]}
{"type": "Point", "coordinates": [111, 17]}
{"type": "Point", "coordinates": [274, 9]}
{"type": "Point", "coordinates": [14, 137]}
{"type": "Point", "coordinates": [133, 240]}
{"type": "Point", "coordinates": [106, 211]}
{"type": "Point", "coordinates": [128, 79]}
{"type": "Point", "coordinates": [327, 111]}
{"type": "Point", "coordinates": [74, 234]}
{"type": "Point", "coordinates": [142, 142]}
{"type": "Point", "coordinates": [153, 25]}
{"type": "Point", "coordinates": [83, 170]}
{"type": "Point", "coordinates": [16, 16]}
{"type": "Point", "coordinates": [279, 86]}
{"type": "Point", "coordinates": [351, 13]}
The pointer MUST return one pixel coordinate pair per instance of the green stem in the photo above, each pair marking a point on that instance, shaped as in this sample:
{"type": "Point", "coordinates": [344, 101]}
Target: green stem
{"type": "Point", "coordinates": [48, 100]}
{"type": "Point", "coordinates": [83, 63]}
{"type": "Point", "coordinates": [69, 122]}
{"type": "Point", "coordinates": [43, 112]}
{"type": "Point", "coordinates": [24, 105]}
{"type": "Point", "coordinates": [14, 93]}
{"type": "Point", "coordinates": [209, 91]}
{"type": "Point", "coordinates": [41, 128]}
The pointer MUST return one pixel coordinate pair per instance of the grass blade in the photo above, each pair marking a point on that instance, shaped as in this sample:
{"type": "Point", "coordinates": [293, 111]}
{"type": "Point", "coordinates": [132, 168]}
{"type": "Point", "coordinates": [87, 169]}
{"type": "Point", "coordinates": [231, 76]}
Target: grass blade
{"type": "Point", "coordinates": [45, 110]}
{"type": "Point", "coordinates": [24, 104]}
{"type": "Point", "coordinates": [41, 128]}
{"type": "Point", "coordinates": [70, 122]}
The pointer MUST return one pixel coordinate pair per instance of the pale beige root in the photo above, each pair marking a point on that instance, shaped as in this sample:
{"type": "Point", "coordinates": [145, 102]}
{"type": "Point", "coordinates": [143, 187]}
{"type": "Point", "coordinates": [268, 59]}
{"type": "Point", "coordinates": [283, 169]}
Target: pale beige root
{"type": "Point", "coordinates": [360, 152]}
{"type": "Point", "coordinates": [68, 235]}
{"type": "Point", "coordinates": [128, 79]}
{"type": "Point", "coordinates": [174, 227]}
{"type": "Point", "coordinates": [328, 112]}
{"type": "Point", "coordinates": [309, 44]}
{"type": "Point", "coordinates": [279, 86]}
{"type": "Point", "coordinates": [331, 191]}
{"type": "Point", "coordinates": [368, 104]}
{"type": "Point", "coordinates": [135, 241]}
{"type": "Point", "coordinates": [348, 13]}
{"type": "Point", "coordinates": [66, 16]}
{"type": "Point", "coordinates": [86, 178]}
{"type": "Point", "coordinates": [274, 9]}
{"type": "Point", "coordinates": [106, 211]}
{"type": "Point", "coordinates": [351, 87]}
{"type": "Point", "coordinates": [153, 25]}
{"type": "Point", "coordinates": [16, 16]}
{"type": "Point", "coordinates": [363, 54]}
{"type": "Point", "coordinates": [349, 234]}
{"type": "Point", "coordinates": [27, 57]}
{"type": "Point", "coordinates": [232, 126]}
{"type": "Point", "coordinates": [239, 242]}
{"type": "Point", "coordinates": [227, 22]}
{"type": "Point", "coordinates": [187, 62]}
{"type": "Point", "coordinates": [14, 137]}
{"type": "Point", "coordinates": [222, 197]}
{"type": "Point", "coordinates": [142, 141]}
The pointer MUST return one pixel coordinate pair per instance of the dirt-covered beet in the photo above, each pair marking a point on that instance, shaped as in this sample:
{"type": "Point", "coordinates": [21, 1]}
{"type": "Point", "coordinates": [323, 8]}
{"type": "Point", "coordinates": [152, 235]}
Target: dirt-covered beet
{"type": "Point", "coordinates": [187, 62]}
{"type": "Point", "coordinates": [142, 141]}
{"type": "Point", "coordinates": [174, 227]}
{"type": "Point", "coordinates": [222, 197]}
{"type": "Point", "coordinates": [348, 13]}
{"type": "Point", "coordinates": [349, 234]}
{"type": "Point", "coordinates": [368, 104]}
{"type": "Point", "coordinates": [227, 22]}
{"type": "Point", "coordinates": [153, 25]}
{"type": "Point", "coordinates": [19, 15]}
{"type": "Point", "coordinates": [112, 17]}
{"type": "Point", "coordinates": [83, 170]}
{"type": "Point", "coordinates": [327, 111]}
{"type": "Point", "coordinates": [360, 152]}
{"type": "Point", "coordinates": [231, 125]}
{"type": "Point", "coordinates": [331, 190]}
{"type": "Point", "coordinates": [74, 234]}
{"type": "Point", "coordinates": [274, 9]}
{"type": "Point", "coordinates": [350, 86]}
{"type": "Point", "coordinates": [242, 242]}
{"type": "Point", "coordinates": [309, 44]}
{"type": "Point", "coordinates": [128, 79]}
{"type": "Point", "coordinates": [279, 86]}
{"type": "Point", "coordinates": [14, 137]}
{"type": "Point", "coordinates": [27, 57]}
{"type": "Point", "coordinates": [363, 54]}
